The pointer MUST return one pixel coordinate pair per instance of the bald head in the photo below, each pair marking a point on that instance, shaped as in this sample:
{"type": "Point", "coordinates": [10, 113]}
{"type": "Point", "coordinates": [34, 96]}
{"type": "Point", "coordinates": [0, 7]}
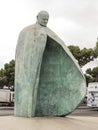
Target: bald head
{"type": "Point", "coordinates": [42, 18]}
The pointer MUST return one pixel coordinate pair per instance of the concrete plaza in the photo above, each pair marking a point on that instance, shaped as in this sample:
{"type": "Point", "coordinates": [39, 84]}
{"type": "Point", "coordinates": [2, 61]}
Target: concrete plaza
{"type": "Point", "coordinates": [49, 123]}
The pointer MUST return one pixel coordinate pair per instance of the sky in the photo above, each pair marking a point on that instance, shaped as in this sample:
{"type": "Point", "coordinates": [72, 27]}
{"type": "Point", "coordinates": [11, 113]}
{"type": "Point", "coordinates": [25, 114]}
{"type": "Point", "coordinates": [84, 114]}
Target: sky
{"type": "Point", "coordinates": [74, 21]}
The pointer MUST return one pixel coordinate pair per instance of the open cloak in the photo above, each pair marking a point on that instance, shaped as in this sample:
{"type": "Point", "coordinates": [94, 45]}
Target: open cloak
{"type": "Point", "coordinates": [48, 80]}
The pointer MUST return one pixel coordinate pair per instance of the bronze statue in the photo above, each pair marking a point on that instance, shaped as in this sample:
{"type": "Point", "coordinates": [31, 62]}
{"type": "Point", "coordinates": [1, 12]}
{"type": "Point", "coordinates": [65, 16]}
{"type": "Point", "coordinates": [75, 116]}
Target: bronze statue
{"type": "Point", "coordinates": [48, 80]}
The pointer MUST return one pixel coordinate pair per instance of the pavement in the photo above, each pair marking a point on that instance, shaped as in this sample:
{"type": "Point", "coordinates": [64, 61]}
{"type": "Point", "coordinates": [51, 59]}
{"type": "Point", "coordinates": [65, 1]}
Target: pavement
{"type": "Point", "coordinates": [83, 107]}
{"type": "Point", "coordinates": [49, 123]}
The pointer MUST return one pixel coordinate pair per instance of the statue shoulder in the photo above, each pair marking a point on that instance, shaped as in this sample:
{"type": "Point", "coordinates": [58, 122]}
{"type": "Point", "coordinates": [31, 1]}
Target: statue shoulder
{"type": "Point", "coordinates": [26, 29]}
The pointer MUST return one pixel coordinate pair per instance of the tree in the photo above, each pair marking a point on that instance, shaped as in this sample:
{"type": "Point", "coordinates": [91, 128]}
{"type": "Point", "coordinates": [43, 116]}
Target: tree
{"type": "Point", "coordinates": [92, 74]}
{"type": "Point", "coordinates": [89, 79]}
{"type": "Point", "coordinates": [2, 78]}
{"type": "Point", "coordinates": [83, 56]}
{"type": "Point", "coordinates": [7, 74]}
{"type": "Point", "coordinates": [96, 48]}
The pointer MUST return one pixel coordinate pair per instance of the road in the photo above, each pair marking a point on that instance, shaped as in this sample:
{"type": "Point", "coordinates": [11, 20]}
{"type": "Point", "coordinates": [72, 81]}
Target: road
{"type": "Point", "coordinates": [81, 111]}
{"type": "Point", "coordinates": [85, 111]}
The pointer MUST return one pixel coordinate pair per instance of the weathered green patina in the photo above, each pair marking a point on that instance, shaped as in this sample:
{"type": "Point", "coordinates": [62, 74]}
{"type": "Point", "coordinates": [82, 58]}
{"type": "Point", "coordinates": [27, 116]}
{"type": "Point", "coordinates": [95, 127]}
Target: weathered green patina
{"type": "Point", "coordinates": [48, 80]}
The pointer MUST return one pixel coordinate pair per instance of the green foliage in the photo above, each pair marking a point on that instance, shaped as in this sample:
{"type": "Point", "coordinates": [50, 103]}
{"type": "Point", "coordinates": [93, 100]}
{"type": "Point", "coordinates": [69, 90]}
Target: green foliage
{"type": "Point", "coordinates": [93, 74]}
{"type": "Point", "coordinates": [96, 48]}
{"type": "Point", "coordinates": [83, 56]}
{"type": "Point", "coordinates": [89, 79]}
{"type": "Point", "coordinates": [7, 74]}
{"type": "Point", "coordinates": [2, 78]}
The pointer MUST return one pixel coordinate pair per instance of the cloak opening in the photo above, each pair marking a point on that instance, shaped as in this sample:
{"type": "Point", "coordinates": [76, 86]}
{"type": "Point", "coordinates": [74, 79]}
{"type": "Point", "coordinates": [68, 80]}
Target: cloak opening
{"type": "Point", "coordinates": [61, 83]}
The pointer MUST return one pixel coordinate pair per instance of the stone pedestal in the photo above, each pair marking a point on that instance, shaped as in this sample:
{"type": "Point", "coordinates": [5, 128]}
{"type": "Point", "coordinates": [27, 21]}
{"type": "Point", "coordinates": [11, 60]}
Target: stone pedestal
{"type": "Point", "coordinates": [49, 123]}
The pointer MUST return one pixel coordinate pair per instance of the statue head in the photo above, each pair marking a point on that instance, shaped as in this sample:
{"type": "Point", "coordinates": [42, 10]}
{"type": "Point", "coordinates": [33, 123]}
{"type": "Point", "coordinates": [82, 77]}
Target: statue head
{"type": "Point", "coordinates": [42, 18]}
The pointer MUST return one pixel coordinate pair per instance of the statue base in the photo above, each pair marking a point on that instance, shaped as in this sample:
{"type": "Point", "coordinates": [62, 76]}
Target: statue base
{"type": "Point", "coordinates": [49, 123]}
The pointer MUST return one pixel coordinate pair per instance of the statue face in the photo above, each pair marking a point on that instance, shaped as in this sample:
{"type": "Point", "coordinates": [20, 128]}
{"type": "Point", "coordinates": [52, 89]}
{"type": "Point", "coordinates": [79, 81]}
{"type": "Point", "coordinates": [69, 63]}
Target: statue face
{"type": "Point", "coordinates": [43, 19]}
